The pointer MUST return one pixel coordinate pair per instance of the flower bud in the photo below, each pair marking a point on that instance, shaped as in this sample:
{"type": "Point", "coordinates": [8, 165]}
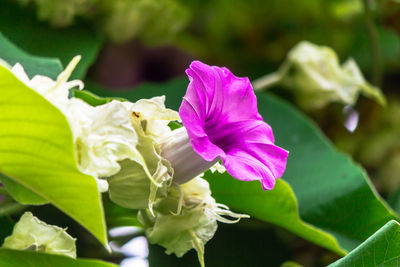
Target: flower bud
{"type": "Point", "coordinates": [314, 75]}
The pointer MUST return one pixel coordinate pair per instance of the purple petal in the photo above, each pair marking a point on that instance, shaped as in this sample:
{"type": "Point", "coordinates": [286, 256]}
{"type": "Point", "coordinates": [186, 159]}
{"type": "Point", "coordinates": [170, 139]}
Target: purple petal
{"type": "Point", "coordinates": [264, 162]}
{"type": "Point", "coordinates": [220, 114]}
{"type": "Point", "coordinates": [198, 137]}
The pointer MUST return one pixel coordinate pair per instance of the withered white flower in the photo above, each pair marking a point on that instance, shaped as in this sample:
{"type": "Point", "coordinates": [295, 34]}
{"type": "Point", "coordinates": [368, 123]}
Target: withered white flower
{"type": "Point", "coordinates": [149, 174]}
{"type": "Point", "coordinates": [106, 135]}
{"type": "Point", "coordinates": [186, 218]}
{"type": "Point", "coordinates": [30, 233]}
{"type": "Point", "coordinates": [315, 76]}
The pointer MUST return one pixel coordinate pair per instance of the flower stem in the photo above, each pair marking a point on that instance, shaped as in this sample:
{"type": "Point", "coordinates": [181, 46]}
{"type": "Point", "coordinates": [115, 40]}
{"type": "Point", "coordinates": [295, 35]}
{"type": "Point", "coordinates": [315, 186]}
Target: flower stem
{"type": "Point", "coordinates": [266, 81]}
{"type": "Point", "coordinates": [375, 46]}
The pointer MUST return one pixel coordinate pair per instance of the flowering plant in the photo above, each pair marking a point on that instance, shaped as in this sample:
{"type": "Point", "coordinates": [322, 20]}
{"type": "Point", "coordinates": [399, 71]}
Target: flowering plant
{"type": "Point", "coordinates": [168, 173]}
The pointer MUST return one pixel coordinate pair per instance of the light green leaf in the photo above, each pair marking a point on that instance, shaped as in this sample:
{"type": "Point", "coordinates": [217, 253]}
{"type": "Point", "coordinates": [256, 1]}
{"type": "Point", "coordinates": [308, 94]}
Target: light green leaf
{"type": "Point", "coordinates": [12, 258]}
{"type": "Point", "coordinates": [381, 249]}
{"type": "Point", "coordinates": [21, 27]}
{"type": "Point", "coordinates": [331, 190]}
{"type": "Point", "coordinates": [20, 193]}
{"type": "Point", "coordinates": [37, 151]}
{"type": "Point", "coordinates": [33, 65]}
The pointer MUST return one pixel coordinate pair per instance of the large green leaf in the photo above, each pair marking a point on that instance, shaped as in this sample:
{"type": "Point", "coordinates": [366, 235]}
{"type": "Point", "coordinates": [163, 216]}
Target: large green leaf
{"type": "Point", "coordinates": [381, 249]}
{"type": "Point", "coordinates": [278, 206]}
{"type": "Point", "coordinates": [332, 191]}
{"type": "Point", "coordinates": [12, 258]}
{"type": "Point", "coordinates": [33, 65]}
{"type": "Point", "coordinates": [37, 151]}
{"type": "Point", "coordinates": [22, 28]}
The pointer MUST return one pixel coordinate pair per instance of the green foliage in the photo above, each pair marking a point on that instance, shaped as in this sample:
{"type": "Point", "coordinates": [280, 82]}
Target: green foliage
{"type": "Point", "coordinates": [278, 206]}
{"type": "Point", "coordinates": [324, 197]}
{"type": "Point", "coordinates": [37, 151]}
{"type": "Point", "coordinates": [91, 98]}
{"type": "Point", "coordinates": [119, 216]}
{"type": "Point", "coordinates": [20, 193]}
{"type": "Point", "coordinates": [33, 65]}
{"type": "Point", "coordinates": [12, 258]}
{"type": "Point", "coordinates": [381, 249]}
{"type": "Point", "coordinates": [331, 190]}
{"type": "Point", "coordinates": [121, 20]}
{"type": "Point", "coordinates": [22, 28]}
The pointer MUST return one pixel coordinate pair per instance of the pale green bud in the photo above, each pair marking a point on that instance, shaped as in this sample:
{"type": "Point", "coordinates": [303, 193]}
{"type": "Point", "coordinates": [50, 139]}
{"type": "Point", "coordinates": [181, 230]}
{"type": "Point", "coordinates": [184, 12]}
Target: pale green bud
{"type": "Point", "coordinates": [32, 234]}
{"type": "Point", "coordinates": [314, 75]}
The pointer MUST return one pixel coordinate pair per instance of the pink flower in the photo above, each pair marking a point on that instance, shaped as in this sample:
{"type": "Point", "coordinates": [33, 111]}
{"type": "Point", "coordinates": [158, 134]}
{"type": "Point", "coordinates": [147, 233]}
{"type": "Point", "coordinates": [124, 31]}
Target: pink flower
{"type": "Point", "coordinates": [219, 112]}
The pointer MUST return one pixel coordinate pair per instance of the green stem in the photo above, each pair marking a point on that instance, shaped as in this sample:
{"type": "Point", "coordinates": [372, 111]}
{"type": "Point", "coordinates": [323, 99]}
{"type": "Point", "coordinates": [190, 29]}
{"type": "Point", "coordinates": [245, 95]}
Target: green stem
{"type": "Point", "coordinates": [375, 46]}
{"type": "Point", "coordinates": [267, 81]}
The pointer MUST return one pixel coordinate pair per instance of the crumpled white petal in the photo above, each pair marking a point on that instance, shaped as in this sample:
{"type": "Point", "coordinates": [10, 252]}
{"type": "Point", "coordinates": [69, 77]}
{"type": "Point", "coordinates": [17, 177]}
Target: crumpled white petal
{"type": "Point", "coordinates": [104, 135]}
{"type": "Point", "coordinates": [186, 218]}
{"type": "Point", "coordinates": [30, 233]}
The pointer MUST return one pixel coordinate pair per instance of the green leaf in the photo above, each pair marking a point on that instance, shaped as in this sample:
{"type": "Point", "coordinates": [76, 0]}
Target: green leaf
{"type": "Point", "coordinates": [20, 193]}
{"type": "Point", "coordinates": [119, 216]}
{"type": "Point", "coordinates": [33, 65]}
{"type": "Point", "coordinates": [21, 27]}
{"type": "Point", "coordinates": [12, 258]}
{"type": "Point", "coordinates": [37, 151]}
{"type": "Point", "coordinates": [278, 206]}
{"type": "Point", "coordinates": [173, 90]}
{"type": "Point", "coordinates": [381, 249]}
{"type": "Point", "coordinates": [93, 99]}
{"type": "Point", "coordinates": [331, 190]}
